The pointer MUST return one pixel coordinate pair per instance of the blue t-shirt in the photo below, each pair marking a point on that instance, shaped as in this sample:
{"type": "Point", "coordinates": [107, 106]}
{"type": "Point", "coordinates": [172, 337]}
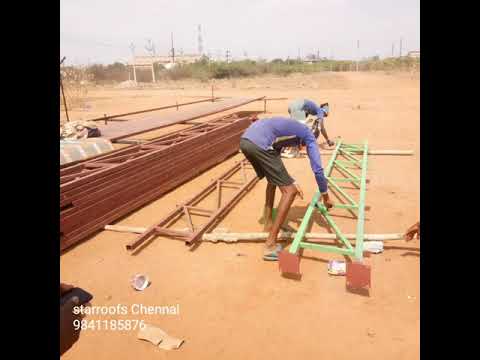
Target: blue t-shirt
{"type": "Point", "coordinates": [312, 109]}
{"type": "Point", "coordinates": [264, 132]}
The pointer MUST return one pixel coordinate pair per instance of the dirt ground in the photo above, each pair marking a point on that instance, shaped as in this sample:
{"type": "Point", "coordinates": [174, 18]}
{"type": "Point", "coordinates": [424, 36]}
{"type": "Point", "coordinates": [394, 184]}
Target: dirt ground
{"type": "Point", "coordinates": [234, 305]}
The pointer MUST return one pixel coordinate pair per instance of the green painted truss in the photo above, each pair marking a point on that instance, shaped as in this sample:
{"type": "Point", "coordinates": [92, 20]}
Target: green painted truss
{"type": "Point", "coordinates": [350, 160]}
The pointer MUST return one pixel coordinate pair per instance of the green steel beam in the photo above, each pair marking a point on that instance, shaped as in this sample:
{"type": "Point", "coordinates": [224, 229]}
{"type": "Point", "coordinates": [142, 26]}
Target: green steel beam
{"type": "Point", "coordinates": [348, 250]}
{"type": "Point", "coordinates": [327, 248]}
{"type": "Point", "coordinates": [350, 156]}
{"type": "Point", "coordinates": [335, 179]}
{"type": "Point", "coordinates": [351, 174]}
{"type": "Point", "coordinates": [340, 190]}
{"type": "Point", "coordinates": [345, 206]}
{"type": "Point", "coordinates": [335, 228]}
{"type": "Point", "coordinates": [346, 162]}
{"type": "Point", "coordinates": [361, 206]}
{"type": "Point", "coordinates": [308, 214]}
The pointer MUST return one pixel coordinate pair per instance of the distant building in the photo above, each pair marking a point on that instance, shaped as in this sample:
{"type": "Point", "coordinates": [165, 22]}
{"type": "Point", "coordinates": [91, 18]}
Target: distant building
{"type": "Point", "coordinates": [146, 61]}
{"type": "Point", "coordinates": [414, 54]}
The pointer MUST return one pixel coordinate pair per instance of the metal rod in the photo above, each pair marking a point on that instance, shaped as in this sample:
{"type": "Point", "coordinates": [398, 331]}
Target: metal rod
{"type": "Point", "coordinates": [340, 190]}
{"type": "Point", "coordinates": [308, 214]}
{"type": "Point", "coordinates": [361, 206]}
{"type": "Point", "coordinates": [150, 110]}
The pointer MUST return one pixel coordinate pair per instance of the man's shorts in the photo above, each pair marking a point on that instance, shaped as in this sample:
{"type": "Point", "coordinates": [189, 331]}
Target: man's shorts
{"type": "Point", "coordinates": [267, 163]}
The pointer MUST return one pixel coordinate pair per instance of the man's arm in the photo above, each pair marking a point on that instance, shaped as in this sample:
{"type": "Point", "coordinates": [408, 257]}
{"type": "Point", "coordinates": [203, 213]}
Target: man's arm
{"type": "Point", "coordinates": [316, 165]}
{"type": "Point", "coordinates": [325, 135]}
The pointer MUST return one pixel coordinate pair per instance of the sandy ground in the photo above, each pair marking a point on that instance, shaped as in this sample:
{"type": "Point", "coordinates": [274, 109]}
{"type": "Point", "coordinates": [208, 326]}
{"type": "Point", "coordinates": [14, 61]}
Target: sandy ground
{"type": "Point", "coordinates": [232, 304]}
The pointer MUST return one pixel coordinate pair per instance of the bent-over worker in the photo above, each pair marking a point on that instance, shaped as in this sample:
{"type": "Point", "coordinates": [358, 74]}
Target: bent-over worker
{"type": "Point", "coordinates": [256, 144]}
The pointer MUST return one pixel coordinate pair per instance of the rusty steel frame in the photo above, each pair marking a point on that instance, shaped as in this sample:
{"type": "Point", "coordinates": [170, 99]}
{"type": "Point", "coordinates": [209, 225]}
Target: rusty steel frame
{"type": "Point", "coordinates": [126, 129]}
{"type": "Point", "coordinates": [110, 117]}
{"type": "Point", "coordinates": [190, 207]}
{"type": "Point", "coordinates": [97, 192]}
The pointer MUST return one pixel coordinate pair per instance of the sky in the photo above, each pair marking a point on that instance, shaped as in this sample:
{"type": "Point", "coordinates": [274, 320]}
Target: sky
{"type": "Point", "coordinates": [101, 31]}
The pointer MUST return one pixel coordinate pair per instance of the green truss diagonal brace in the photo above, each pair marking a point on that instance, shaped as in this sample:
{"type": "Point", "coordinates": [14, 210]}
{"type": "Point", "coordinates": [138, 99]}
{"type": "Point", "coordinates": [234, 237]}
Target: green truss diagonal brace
{"type": "Point", "coordinates": [359, 155]}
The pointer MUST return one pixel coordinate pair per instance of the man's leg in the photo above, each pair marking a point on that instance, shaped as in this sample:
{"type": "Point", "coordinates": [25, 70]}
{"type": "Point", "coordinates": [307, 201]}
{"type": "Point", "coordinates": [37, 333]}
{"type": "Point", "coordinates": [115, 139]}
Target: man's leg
{"type": "Point", "coordinates": [288, 195]}
{"type": "Point", "coordinates": [267, 210]}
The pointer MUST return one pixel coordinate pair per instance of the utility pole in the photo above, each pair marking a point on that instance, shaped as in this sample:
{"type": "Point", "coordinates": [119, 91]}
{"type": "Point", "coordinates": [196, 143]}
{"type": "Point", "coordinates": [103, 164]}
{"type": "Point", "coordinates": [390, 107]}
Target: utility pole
{"type": "Point", "coordinates": [401, 40]}
{"type": "Point", "coordinates": [150, 47]}
{"type": "Point", "coordinates": [132, 48]}
{"type": "Point", "coordinates": [393, 49]}
{"type": "Point", "coordinates": [61, 87]}
{"type": "Point", "coordinates": [358, 53]}
{"type": "Point", "coordinates": [200, 41]}
{"type": "Point", "coordinates": [173, 51]}
{"type": "Point", "coordinates": [331, 60]}
{"type": "Point", "coordinates": [227, 55]}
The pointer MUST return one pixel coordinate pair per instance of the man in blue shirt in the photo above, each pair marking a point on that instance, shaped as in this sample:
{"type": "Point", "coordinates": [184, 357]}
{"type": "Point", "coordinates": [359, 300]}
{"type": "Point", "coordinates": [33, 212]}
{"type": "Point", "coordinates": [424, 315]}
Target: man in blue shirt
{"type": "Point", "coordinates": [257, 144]}
{"type": "Point", "coordinates": [300, 109]}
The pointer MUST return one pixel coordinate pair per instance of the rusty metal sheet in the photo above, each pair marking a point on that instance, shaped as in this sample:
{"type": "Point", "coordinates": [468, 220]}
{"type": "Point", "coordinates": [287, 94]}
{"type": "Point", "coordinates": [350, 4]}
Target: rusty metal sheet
{"type": "Point", "coordinates": [119, 130]}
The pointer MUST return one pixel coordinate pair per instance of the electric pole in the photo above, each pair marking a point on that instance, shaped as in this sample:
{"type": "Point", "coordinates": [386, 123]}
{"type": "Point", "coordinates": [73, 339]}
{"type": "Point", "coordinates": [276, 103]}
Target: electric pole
{"type": "Point", "coordinates": [132, 48]}
{"type": "Point", "coordinates": [200, 41]}
{"type": "Point", "coordinates": [173, 51]}
{"type": "Point", "coordinates": [150, 47]}
{"type": "Point", "coordinates": [401, 40]}
{"type": "Point", "coordinates": [358, 53]}
{"type": "Point", "coordinates": [393, 49]}
{"type": "Point", "coordinates": [331, 59]}
{"type": "Point", "coordinates": [61, 87]}
{"type": "Point", "coordinates": [227, 55]}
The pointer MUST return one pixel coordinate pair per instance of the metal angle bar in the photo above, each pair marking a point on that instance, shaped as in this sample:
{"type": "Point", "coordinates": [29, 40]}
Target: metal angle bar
{"type": "Point", "coordinates": [144, 173]}
{"type": "Point", "coordinates": [195, 199]}
{"type": "Point", "coordinates": [335, 179]}
{"type": "Point", "coordinates": [294, 247]}
{"type": "Point", "coordinates": [335, 228]}
{"type": "Point", "coordinates": [141, 160]}
{"type": "Point", "coordinates": [349, 156]}
{"type": "Point", "coordinates": [340, 190]}
{"type": "Point", "coordinates": [129, 204]}
{"type": "Point", "coordinates": [350, 173]}
{"type": "Point", "coordinates": [239, 115]}
{"type": "Point", "coordinates": [113, 135]}
{"type": "Point", "coordinates": [148, 110]}
{"type": "Point", "coordinates": [347, 163]}
{"type": "Point", "coordinates": [327, 248]}
{"type": "Point", "coordinates": [222, 211]}
{"type": "Point", "coordinates": [189, 218]}
{"type": "Point", "coordinates": [361, 206]}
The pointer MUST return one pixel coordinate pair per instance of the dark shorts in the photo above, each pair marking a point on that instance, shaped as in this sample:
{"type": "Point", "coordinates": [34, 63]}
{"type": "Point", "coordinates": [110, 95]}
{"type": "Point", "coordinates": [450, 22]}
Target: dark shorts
{"type": "Point", "coordinates": [267, 163]}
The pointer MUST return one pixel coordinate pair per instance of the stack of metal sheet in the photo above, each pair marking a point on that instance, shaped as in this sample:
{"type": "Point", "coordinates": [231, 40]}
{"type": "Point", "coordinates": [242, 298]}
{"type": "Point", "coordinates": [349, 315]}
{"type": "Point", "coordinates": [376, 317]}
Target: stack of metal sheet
{"type": "Point", "coordinates": [97, 192]}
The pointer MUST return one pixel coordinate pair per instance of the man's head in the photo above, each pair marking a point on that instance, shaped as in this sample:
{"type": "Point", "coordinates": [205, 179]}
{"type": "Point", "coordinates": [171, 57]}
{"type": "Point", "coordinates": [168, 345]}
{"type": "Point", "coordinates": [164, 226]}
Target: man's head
{"type": "Point", "coordinates": [325, 108]}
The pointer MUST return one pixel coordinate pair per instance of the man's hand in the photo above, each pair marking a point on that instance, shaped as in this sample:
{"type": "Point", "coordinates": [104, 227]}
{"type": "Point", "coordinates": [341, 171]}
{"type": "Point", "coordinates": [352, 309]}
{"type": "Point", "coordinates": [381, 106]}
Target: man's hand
{"type": "Point", "coordinates": [326, 201]}
{"type": "Point", "coordinates": [68, 334]}
{"type": "Point", "coordinates": [413, 231]}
